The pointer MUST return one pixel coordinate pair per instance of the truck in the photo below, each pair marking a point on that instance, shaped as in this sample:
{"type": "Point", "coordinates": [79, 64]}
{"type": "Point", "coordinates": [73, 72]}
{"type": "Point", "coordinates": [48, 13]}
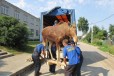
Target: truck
{"type": "Point", "coordinates": [60, 14]}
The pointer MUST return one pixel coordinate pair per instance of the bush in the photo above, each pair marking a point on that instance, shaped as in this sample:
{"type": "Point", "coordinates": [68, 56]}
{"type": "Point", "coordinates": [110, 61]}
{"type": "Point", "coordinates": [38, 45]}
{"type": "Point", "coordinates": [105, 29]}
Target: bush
{"type": "Point", "coordinates": [97, 42]}
{"type": "Point", "coordinates": [13, 33]}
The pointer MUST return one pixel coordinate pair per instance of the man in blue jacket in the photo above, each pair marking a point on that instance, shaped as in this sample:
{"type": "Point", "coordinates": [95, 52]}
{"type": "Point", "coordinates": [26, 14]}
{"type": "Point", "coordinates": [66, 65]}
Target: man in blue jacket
{"type": "Point", "coordinates": [36, 58]}
{"type": "Point", "coordinates": [80, 56]}
{"type": "Point", "coordinates": [70, 53]}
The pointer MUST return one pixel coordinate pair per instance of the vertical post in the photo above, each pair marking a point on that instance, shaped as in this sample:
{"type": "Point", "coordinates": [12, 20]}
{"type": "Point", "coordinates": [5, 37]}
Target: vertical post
{"type": "Point", "coordinates": [92, 34]}
{"type": "Point", "coordinates": [112, 39]}
{"type": "Point", "coordinates": [41, 25]}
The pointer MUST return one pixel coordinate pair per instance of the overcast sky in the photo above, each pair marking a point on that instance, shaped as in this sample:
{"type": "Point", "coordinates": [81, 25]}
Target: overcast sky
{"type": "Point", "coordinates": [92, 10]}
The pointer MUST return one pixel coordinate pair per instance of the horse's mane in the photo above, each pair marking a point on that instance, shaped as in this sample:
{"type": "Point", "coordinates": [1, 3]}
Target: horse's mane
{"type": "Point", "coordinates": [61, 23]}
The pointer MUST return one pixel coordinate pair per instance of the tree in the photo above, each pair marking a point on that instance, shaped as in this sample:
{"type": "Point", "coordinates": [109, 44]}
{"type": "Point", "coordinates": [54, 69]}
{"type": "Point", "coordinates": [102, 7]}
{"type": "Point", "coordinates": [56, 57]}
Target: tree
{"type": "Point", "coordinates": [96, 29]}
{"type": "Point", "coordinates": [102, 34]}
{"type": "Point", "coordinates": [111, 30]}
{"type": "Point", "coordinates": [83, 25]}
{"type": "Point", "coordinates": [5, 24]}
{"type": "Point", "coordinates": [99, 33]}
{"type": "Point", "coordinates": [18, 35]}
{"type": "Point", "coordinates": [12, 32]}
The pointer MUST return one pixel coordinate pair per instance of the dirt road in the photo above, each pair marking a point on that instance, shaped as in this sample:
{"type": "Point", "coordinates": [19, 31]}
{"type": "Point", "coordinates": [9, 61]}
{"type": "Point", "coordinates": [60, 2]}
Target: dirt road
{"type": "Point", "coordinates": [96, 63]}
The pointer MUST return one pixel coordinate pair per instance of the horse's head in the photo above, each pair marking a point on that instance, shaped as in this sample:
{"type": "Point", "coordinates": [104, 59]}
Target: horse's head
{"type": "Point", "coordinates": [73, 32]}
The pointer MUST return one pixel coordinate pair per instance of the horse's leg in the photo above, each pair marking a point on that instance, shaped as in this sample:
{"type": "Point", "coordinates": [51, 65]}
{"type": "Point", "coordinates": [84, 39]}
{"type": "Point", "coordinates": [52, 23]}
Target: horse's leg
{"type": "Point", "coordinates": [47, 49]}
{"type": "Point", "coordinates": [50, 44]}
{"type": "Point", "coordinates": [45, 42]}
{"type": "Point", "coordinates": [58, 52]}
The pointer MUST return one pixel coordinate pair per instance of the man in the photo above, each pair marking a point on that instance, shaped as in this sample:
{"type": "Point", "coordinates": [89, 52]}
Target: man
{"type": "Point", "coordinates": [70, 53]}
{"type": "Point", "coordinates": [80, 56]}
{"type": "Point", "coordinates": [53, 51]}
{"type": "Point", "coordinates": [55, 22]}
{"type": "Point", "coordinates": [36, 58]}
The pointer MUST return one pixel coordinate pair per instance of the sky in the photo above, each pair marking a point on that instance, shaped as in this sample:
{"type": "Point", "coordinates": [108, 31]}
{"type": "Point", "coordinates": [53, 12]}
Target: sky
{"type": "Point", "coordinates": [92, 10]}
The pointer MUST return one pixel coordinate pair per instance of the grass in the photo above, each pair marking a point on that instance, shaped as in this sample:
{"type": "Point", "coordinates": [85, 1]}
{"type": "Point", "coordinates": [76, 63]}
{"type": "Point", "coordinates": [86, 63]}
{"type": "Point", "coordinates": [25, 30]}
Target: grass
{"type": "Point", "coordinates": [103, 47]}
{"type": "Point", "coordinates": [29, 48]}
{"type": "Point", "coordinates": [10, 50]}
{"type": "Point", "coordinates": [31, 45]}
{"type": "Point", "coordinates": [107, 48]}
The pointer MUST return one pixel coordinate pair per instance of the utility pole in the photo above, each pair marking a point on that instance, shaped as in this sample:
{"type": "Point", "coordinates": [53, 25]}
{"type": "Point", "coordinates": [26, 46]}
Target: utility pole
{"type": "Point", "coordinates": [92, 34]}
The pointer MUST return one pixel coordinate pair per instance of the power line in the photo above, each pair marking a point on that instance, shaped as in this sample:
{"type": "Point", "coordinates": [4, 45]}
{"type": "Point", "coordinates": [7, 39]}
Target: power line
{"type": "Point", "coordinates": [103, 19]}
{"type": "Point", "coordinates": [99, 22]}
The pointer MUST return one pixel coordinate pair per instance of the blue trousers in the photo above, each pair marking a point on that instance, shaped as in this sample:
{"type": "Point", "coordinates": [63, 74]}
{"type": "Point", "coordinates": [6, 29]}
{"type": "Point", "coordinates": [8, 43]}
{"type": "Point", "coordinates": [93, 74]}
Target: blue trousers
{"type": "Point", "coordinates": [37, 64]}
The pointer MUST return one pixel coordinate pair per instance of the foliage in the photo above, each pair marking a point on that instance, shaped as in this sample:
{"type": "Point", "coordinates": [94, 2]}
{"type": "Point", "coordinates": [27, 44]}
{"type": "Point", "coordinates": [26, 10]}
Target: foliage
{"type": "Point", "coordinates": [111, 30]}
{"type": "Point", "coordinates": [97, 42]}
{"type": "Point", "coordinates": [107, 48]}
{"type": "Point", "coordinates": [99, 33]}
{"type": "Point", "coordinates": [102, 34]}
{"type": "Point", "coordinates": [12, 32]}
{"type": "Point", "coordinates": [83, 25]}
{"type": "Point", "coordinates": [96, 29]}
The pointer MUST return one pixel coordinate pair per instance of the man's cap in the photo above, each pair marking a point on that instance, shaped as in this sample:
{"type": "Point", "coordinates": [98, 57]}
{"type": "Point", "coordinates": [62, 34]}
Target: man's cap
{"type": "Point", "coordinates": [72, 42]}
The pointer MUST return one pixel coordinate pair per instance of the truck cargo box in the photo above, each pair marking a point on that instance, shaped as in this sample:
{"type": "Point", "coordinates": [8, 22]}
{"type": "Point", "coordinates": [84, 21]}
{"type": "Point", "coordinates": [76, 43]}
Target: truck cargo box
{"type": "Point", "coordinates": [48, 17]}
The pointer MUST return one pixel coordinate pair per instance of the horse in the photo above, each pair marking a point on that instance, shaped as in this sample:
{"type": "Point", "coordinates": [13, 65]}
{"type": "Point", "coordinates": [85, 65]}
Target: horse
{"type": "Point", "coordinates": [57, 33]}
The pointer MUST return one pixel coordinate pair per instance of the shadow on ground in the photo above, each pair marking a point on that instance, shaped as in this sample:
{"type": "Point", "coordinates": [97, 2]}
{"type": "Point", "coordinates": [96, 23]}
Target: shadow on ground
{"type": "Point", "coordinates": [91, 58]}
{"type": "Point", "coordinates": [2, 63]}
{"type": "Point", "coordinates": [4, 73]}
{"type": "Point", "coordinates": [59, 71]}
{"type": "Point", "coordinates": [94, 71]}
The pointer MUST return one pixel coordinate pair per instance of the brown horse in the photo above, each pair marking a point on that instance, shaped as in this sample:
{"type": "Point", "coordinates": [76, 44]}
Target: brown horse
{"type": "Point", "coordinates": [57, 33]}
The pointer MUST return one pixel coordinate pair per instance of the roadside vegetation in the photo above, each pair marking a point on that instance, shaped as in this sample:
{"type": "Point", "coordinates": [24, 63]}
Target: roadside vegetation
{"type": "Point", "coordinates": [100, 37]}
{"type": "Point", "coordinates": [13, 33]}
{"type": "Point", "coordinates": [107, 48]}
{"type": "Point", "coordinates": [14, 36]}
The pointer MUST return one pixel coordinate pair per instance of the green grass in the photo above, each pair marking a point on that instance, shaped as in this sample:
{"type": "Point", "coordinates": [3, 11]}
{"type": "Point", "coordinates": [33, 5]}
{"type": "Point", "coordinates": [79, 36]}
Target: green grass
{"type": "Point", "coordinates": [107, 48]}
{"type": "Point", "coordinates": [10, 50]}
{"type": "Point", "coordinates": [33, 42]}
{"type": "Point", "coordinates": [31, 45]}
{"type": "Point", "coordinates": [103, 47]}
{"type": "Point", "coordinates": [29, 49]}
